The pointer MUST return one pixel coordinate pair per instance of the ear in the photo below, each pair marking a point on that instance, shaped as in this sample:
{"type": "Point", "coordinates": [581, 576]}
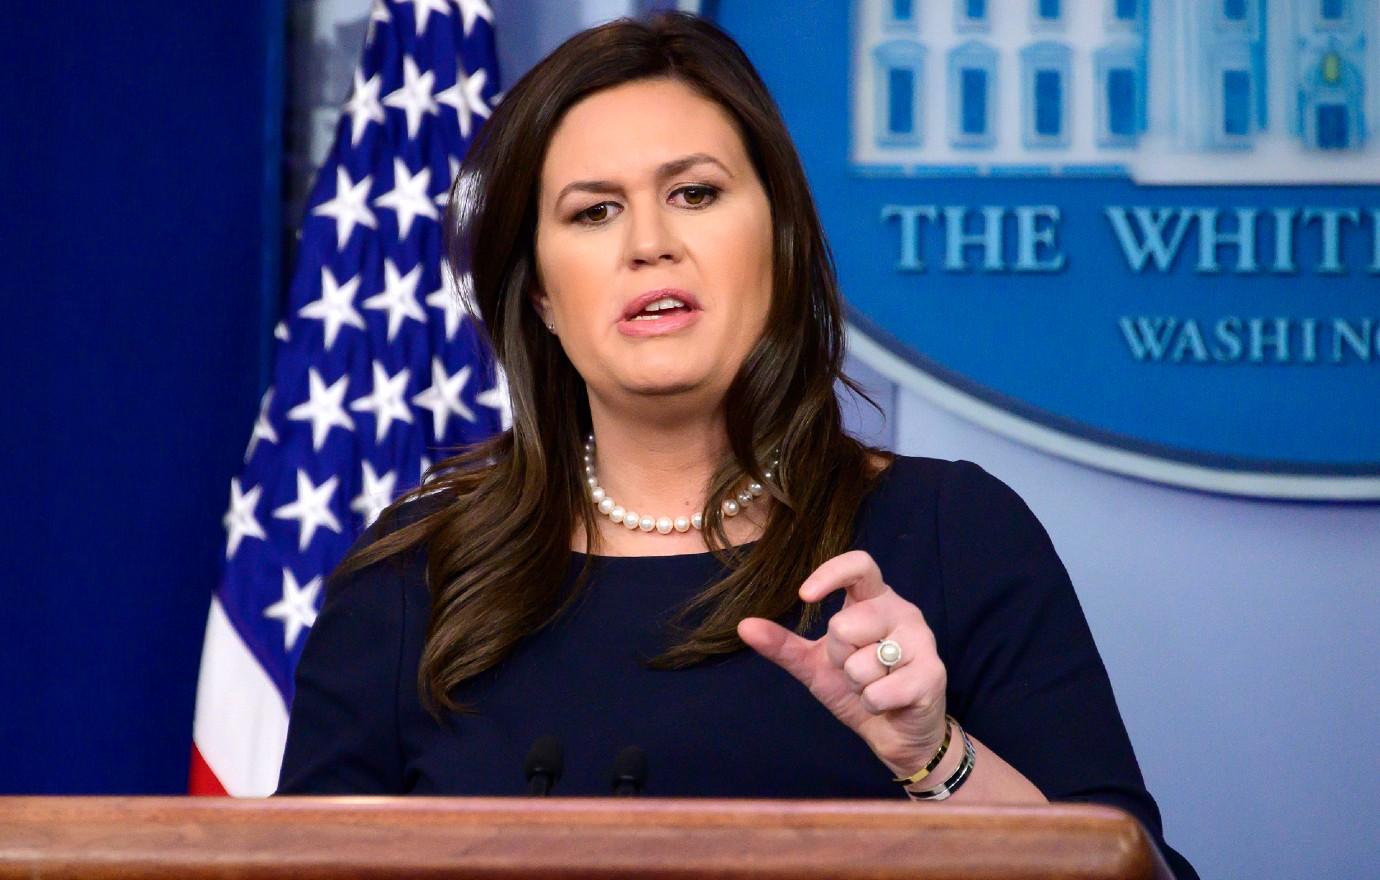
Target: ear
{"type": "Point", "coordinates": [541, 303]}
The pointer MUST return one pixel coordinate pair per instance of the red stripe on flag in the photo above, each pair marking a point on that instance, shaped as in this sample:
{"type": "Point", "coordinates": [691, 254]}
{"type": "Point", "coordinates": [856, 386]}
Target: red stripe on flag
{"type": "Point", "coordinates": [201, 780]}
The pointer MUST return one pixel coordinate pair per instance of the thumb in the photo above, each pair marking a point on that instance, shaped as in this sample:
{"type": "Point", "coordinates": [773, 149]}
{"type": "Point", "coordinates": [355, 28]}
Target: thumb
{"type": "Point", "coordinates": [779, 645]}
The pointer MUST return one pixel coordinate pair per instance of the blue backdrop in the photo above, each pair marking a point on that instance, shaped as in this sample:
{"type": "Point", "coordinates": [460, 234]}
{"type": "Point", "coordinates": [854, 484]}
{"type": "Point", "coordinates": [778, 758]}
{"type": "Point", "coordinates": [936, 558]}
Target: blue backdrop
{"type": "Point", "coordinates": [141, 155]}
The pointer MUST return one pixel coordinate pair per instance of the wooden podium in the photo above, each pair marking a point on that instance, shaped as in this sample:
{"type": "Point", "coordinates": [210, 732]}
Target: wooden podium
{"type": "Point", "coordinates": [343, 837]}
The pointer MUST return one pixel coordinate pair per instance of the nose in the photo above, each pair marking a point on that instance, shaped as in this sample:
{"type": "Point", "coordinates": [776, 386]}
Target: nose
{"type": "Point", "coordinates": [651, 236]}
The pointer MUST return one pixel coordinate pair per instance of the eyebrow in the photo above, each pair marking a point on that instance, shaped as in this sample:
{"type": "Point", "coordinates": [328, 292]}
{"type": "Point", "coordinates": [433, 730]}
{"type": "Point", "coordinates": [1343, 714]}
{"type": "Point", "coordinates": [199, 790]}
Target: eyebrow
{"type": "Point", "coordinates": [664, 170]}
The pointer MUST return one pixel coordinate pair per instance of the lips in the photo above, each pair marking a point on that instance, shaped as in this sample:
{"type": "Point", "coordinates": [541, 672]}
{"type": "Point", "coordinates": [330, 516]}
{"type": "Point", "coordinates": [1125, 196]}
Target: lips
{"type": "Point", "coordinates": [640, 303]}
{"type": "Point", "coordinates": [660, 311]}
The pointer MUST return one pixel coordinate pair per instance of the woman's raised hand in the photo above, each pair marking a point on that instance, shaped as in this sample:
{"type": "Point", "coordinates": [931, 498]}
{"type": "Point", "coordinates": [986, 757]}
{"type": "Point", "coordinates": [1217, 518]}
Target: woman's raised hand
{"type": "Point", "coordinates": [900, 715]}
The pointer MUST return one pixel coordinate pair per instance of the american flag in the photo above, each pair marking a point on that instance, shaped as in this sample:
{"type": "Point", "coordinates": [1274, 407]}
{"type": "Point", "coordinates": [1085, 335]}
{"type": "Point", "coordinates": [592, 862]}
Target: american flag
{"type": "Point", "coordinates": [378, 365]}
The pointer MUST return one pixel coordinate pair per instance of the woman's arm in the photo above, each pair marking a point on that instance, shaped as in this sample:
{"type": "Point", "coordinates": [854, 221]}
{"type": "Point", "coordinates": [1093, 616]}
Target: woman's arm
{"type": "Point", "coordinates": [898, 710]}
{"type": "Point", "coordinates": [1024, 674]}
{"type": "Point", "coordinates": [343, 726]}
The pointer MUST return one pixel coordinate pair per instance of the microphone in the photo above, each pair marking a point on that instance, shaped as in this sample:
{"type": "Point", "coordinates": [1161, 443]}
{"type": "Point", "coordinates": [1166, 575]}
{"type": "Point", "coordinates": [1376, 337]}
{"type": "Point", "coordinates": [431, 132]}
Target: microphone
{"type": "Point", "coordinates": [630, 771]}
{"type": "Point", "coordinates": [543, 765]}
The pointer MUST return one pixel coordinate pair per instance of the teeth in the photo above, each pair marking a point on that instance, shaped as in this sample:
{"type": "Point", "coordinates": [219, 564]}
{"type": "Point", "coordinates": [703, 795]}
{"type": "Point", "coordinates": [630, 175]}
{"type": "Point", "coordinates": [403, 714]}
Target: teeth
{"type": "Point", "coordinates": [650, 310]}
{"type": "Point", "coordinates": [666, 302]}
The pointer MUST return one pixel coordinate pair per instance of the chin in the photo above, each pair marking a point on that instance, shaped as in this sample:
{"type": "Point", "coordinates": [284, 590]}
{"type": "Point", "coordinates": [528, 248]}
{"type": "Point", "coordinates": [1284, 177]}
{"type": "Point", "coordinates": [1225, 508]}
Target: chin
{"type": "Point", "coordinates": [666, 387]}
{"type": "Point", "coordinates": [666, 379]}
{"type": "Point", "coordinates": [662, 373]}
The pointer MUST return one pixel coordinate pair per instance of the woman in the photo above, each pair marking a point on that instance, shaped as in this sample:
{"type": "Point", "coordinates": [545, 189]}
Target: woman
{"type": "Point", "coordinates": [677, 484]}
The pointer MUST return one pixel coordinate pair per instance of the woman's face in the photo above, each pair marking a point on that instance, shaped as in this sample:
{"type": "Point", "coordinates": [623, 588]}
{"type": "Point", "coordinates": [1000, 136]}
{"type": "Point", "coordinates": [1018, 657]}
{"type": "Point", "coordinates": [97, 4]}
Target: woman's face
{"type": "Point", "coordinates": [654, 243]}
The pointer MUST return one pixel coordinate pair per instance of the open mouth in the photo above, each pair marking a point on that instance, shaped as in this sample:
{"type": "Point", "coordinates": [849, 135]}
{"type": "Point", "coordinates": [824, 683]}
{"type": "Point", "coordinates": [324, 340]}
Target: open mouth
{"type": "Point", "coordinates": [665, 307]}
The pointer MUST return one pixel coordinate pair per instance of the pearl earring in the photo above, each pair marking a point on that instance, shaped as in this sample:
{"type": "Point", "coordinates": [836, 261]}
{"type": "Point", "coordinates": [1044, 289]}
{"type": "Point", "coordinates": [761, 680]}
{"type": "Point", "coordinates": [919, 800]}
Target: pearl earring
{"type": "Point", "coordinates": [551, 325]}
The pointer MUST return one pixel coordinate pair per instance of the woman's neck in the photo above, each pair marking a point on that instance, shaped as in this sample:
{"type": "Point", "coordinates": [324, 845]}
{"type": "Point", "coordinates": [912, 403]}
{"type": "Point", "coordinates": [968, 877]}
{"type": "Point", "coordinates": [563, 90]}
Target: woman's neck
{"type": "Point", "coordinates": [660, 469]}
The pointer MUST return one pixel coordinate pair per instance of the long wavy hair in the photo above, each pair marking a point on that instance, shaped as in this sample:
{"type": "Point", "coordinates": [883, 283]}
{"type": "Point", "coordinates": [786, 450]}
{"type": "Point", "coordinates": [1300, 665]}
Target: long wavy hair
{"type": "Point", "coordinates": [500, 515]}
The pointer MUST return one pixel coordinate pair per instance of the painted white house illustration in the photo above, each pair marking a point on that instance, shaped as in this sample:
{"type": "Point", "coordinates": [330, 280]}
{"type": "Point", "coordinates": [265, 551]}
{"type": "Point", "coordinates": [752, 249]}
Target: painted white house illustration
{"type": "Point", "coordinates": [1166, 91]}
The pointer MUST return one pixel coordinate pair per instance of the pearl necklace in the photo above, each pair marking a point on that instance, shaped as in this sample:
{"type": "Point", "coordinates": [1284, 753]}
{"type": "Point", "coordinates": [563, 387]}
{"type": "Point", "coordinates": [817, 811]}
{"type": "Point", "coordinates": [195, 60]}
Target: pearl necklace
{"type": "Point", "coordinates": [631, 520]}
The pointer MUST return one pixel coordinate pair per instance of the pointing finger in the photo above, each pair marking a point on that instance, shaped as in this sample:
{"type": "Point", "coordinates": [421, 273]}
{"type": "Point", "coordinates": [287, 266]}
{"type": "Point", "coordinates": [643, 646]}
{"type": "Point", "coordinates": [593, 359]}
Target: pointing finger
{"type": "Point", "coordinates": [855, 572]}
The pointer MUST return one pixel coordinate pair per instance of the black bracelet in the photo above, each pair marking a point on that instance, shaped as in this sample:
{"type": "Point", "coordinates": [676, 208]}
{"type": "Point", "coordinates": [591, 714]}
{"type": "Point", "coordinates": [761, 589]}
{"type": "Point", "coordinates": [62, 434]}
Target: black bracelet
{"type": "Point", "coordinates": [947, 788]}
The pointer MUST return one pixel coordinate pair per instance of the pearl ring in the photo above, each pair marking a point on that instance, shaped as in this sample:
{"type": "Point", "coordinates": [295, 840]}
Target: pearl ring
{"type": "Point", "coordinates": [888, 653]}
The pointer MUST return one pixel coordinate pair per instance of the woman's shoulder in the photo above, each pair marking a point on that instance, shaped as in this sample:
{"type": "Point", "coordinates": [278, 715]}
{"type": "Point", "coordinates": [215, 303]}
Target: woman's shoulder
{"type": "Point", "coordinates": [409, 510]}
{"type": "Point", "coordinates": [950, 487]}
{"type": "Point", "coordinates": [957, 509]}
{"type": "Point", "coordinates": [391, 551]}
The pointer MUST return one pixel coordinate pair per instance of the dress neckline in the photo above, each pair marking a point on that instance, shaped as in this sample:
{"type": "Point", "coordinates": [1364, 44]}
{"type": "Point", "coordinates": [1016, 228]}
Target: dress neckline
{"type": "Point", "coordinates": [701, 555]}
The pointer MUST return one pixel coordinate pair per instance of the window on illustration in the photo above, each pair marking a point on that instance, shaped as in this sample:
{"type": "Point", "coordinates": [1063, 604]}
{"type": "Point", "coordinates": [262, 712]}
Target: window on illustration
{"type": "Point", "coordinates": [1234, 10]}
{"type": "Point", "coordinates": [1332, 128]}
{"type": "Point", "coordinates": [1126, 9]}
{"type": "Point", "coordinates": [1048, 9]}
{"type": "Point", "coordinates": [973, 86]}
{"type": "Point", "coordinates": [1236, 101]}
{"type": "Point", "coordinates": [1332, 10]}
{"type": "Point", "coordinates": [1049, 103]}
{"type": "Point", "coordinates": [1121, 102]}
{"type": "Point", "coordinates": [900, 100]}
{"type": "Point", "coordinates": [901, 10]}
{"type": "Point", "coordinates": [975, 8]}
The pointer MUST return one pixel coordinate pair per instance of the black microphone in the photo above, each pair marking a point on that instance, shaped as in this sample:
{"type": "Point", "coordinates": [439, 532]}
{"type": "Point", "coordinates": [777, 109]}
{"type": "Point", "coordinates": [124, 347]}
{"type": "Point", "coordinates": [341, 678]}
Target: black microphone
{"type": "Point", "coordinates": [543, 765]}
{"type": "Point", "coordinates": [630, 771]}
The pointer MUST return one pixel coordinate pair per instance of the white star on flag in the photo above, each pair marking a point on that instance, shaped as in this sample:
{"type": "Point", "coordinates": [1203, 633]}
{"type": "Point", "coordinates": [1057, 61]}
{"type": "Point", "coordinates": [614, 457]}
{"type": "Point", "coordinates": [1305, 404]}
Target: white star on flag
{"type": "Point", "coordinates": [409, 196]}
{"type": "Point", "coordinates": [377, 15]}
{"type": "Point", "coordinates": [376, 494]}
{"type": "Point", "coordinates": [348, 207]}
{"type": "Point", "coordinates": [336, 307]}
{"type": "Point", "coordinates": [465, 98]}
{"type": "Point", "coordinates": [398, 297]}
{"type": "Point", "coordinates": [323, 407]}
{"type": "Point", "coordinates": [239, 520]}
{"type": "Point", "coordinates": [263, 428]}
{"type": "Point", "coordinates": [498, 398]}
{"type": "Point", "coordinates": [474, 9]}
{"type": "Point", "coordinates": [363, 106]}
{"type": "Point", "coordinates": [312, 509]}
{"type": "Point", "coordinates": [422, 9]}
{"type": "Point", "coordinates": [443, 397]}
{"type": "Point", "coordinates": [414, 97]}
{"type": "Point", "coordinates": [386, 401]}
{"type": "Point", "coordinates": [297, 608]}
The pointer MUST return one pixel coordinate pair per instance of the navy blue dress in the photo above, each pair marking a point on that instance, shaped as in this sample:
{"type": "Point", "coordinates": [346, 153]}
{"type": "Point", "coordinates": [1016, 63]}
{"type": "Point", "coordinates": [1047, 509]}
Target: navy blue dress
{"type": "Point", "coordinates": [1024, 674]}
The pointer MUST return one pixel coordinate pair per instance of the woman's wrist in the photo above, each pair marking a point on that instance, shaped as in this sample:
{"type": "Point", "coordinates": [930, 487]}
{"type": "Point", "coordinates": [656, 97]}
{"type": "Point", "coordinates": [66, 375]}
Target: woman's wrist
{"type": "Point", "coordinates": [948, 765]}
{"type": "Point", "coordinates": [924, 758]}
{"type": "Point", "coordinates": [931, 766]}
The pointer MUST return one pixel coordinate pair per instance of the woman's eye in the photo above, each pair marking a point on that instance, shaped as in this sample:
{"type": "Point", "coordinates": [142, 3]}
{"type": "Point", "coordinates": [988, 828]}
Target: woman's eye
{"type": "Point", "coordinates": [694, 197]}
{"type": "Point", "coordinates": [594, 213]}
{"type": "Point", "coordinates": [697, 196]}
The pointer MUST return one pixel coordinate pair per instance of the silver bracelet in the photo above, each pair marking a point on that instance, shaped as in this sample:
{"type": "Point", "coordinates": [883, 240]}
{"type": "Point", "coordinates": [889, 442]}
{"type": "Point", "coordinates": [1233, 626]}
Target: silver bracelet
{"type": "Point", "coordinates": [946, 788]}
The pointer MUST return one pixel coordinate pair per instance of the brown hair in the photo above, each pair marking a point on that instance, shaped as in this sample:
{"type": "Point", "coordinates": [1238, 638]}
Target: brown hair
{"type": "Point", "coordinates": [498, 541]}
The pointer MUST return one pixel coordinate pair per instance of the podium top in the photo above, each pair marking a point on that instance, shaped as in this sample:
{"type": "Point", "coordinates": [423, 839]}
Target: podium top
{"type": "Point", "coordinates": [329, 837]}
